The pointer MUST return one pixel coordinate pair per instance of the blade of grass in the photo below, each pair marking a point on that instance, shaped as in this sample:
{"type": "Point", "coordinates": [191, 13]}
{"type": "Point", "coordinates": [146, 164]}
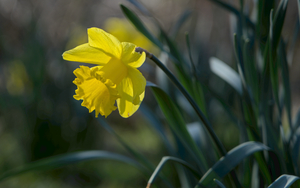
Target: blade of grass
{"type": "Point", "coordinates": [263, 20]}
{"type": "Point", "coordinates": [66, 159]}
{"type": "Point", "coordinates": [273, 66]}
{"type": "Point", "coordinates": [251, 75]}
{"type": "Point", "coordinates": [141, 7]}
{"type": "Point", "coordinates": [295, 150]}
{"type": "Point", "coordinates": [284, 181]}
{"type": "Point", "coordinates": [286, 81]}
{"type": "Point", "coordinates": [227, 74]}
{"type": "Point", "coordinates": [163, 161]}
{"type": "Point", "coordinates": [247, 104]}
{"type": "Point", "coordinates": [296, 122]}
{"type": "Point", "coordinates": [230, 161]}
{"type": "Point", "coordinates": [220, 184]}
{"type": "Point", "coordinates": [278, 24]}
{"type": "Point", "coordinates": [197, 88]}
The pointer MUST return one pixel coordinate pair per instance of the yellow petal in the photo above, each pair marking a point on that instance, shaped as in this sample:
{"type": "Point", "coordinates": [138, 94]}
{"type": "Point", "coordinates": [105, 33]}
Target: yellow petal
{"type": "Point", "coordinates": [131, 91]}
{"type": "Point", "coordinates": [105, 42]}
{"type": "Point", "coordinates": [130, 56]}
{"type": "Point", "coordinates": [86, 54]}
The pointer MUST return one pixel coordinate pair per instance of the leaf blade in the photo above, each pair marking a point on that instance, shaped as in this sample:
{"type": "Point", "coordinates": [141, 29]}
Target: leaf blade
{"type": "Point", "coordinates": [66, 159]}
{"type": "Point", "coordinates": [284, 181]}
{"type": "Point", "coordinates": [226, 73]}
{"type": "Point", "coordinates": [228, 162]}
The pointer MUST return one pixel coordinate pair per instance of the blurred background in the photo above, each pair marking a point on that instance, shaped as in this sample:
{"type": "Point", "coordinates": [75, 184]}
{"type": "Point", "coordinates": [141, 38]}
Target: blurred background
{"type": "Point", "coordinates": [38, 115]}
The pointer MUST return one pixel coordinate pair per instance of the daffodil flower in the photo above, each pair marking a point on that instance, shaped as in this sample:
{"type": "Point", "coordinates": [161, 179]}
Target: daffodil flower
{"type": "Point", "coordinates": [115, 78]}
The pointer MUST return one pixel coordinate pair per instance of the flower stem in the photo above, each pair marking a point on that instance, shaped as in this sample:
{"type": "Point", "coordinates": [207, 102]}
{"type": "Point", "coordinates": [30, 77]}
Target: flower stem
{"type": "Point", "coordinates": [206, 123]}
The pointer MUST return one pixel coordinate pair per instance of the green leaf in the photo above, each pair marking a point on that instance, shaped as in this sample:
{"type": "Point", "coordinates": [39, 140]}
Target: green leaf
{"type": "Point", "coordinates": [164, 160]}
{"type": "Point", "coordinates": [278, 24]}
{"type": "Point", "coordinates": [220, 184]}
{"type": "Point", "coordinates": [197, 91]}
{"type": "Point", "coordinates": [284, 181]}
{"type": "Point", "coordinates": [295, 149]}
{"type": "Point", "coordinates": [273, 65]}
{"type": "Point", "coordinates": [176, 122]}
{"type": "Point", "coordinates": [140, 26]}
{"type": "Point", "coordinates": [296, 123]}
{"type": "Point", "coordinates": [248, 106]}
{"type": "Point", "coordinates": [141, 7]}
{"type": "Point", "coordinates": [286, 81]}
{"type": "Point", "coordinates": [251, 71]}
{"type": "Point", "coordinates": [193, 67]}
{"type": "Point", "coordinates": [230, 161]}
{"type": "Point", "coordinates": [263, 20]}
{"type": "Point", "coordinates": [66, 159]}
{"type": "Point", "coordinates": [225, 72]}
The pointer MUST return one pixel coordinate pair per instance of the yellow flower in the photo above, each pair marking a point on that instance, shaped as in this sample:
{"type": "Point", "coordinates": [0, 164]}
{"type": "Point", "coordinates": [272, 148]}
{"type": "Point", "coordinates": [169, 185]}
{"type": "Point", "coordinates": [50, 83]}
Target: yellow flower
{"type": "Point", "coordinates": [124, 31]}
{"type": "Point", "coordinates": [115, 78]}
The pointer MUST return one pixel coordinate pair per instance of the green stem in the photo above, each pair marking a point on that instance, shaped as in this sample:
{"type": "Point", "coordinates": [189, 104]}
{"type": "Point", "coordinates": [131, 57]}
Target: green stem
{"type": "Point", "coordinates": [206, 123]}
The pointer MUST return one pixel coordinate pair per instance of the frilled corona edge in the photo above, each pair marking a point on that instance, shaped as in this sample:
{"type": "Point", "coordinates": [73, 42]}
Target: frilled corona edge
{"type": "Point", "coordinates": [97, 93]}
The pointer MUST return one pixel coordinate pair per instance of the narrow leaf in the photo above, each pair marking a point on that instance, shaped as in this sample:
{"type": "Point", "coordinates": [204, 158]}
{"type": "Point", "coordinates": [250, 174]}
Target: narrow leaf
{"type": "Point", "coordinates": [286, 81]}
{"type": "Point", "coordinates": [278, 23]}
{"type": "Point", "coordinates": [226, 73]}
{"type": "Point", "coordinates": [141, 7]}
{"type": "Point", "coordinates": [273, 65]}
{"type": "Point", "coordinates": [295, 149]}
{"type": "Point", "coordinates": [164, 160]}
{"type": "Point", "coordinates": [230, 161]}
{"type": "Point", "coordinates": [284, 181]}
{"type": "Point", "coordinates": [66, 159]}
{"type": "Point", "coordinates": [220, 184]}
